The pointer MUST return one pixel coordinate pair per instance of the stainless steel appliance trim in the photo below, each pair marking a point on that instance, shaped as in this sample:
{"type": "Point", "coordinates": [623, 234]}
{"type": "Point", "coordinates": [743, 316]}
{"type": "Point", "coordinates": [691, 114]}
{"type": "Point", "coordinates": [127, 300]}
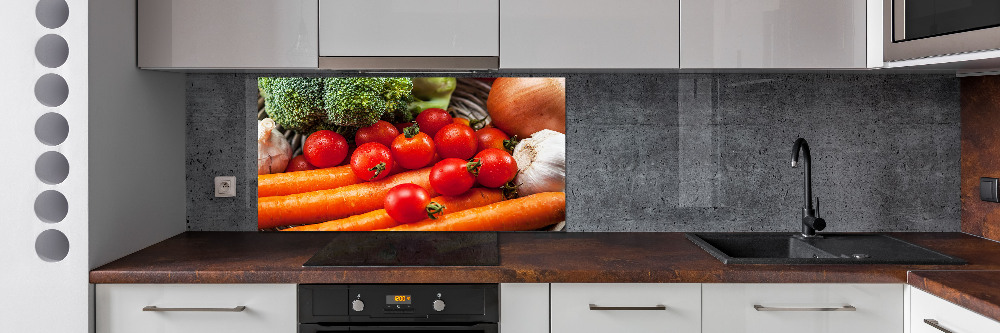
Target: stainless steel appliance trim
{"type": "Point", "coordinates": [898, 19]}
{"type": "Point", "coordinates": [158, 309]}
{"type": "Point", "coordinates": [627, 308]}
{"type": "Point", "coordinates": [409, 63]}
{"type": "Point", "coordinates": [759, 307]}
{"type": "Point", "coordinates": [962, 42]}
{"type": "Point", "coordinates": [934, 323]}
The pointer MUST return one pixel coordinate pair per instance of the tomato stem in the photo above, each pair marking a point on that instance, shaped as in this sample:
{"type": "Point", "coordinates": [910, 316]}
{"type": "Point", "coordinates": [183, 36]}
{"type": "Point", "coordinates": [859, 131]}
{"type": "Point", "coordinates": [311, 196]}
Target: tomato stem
{"type": "Point", "coordinates": [434, 209]}
{"type": "Point", "coordinates": [411, 131]}
{"type": "Point", "coordinates": [509, 144]}
{"type": "Point", "coordinates": [378, 168]}
{"type": "Point", "coordinates": [509, 190]}
{"type": "Point", "coordinates": [475, 123]}
{"type": "Point", "coordinates": [473, 166]}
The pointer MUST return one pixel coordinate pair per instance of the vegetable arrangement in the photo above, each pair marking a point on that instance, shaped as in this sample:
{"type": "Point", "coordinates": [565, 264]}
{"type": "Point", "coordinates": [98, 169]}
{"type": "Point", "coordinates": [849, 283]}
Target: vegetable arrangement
{"type": "Point", "coordinates": [385, 154]}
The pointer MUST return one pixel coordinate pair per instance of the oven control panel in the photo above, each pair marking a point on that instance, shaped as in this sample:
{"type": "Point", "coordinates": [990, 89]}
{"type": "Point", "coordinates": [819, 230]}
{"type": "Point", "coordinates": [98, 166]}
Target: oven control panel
{"type": "Point", "coordinates": [398, 303]}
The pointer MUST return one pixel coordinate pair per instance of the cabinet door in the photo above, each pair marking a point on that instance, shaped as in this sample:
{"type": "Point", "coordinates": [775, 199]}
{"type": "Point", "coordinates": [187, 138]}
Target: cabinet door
{"type": "Point", "coordinates": [589, 34]}
{"type": "Point", "coordinates": [524, 308]}
{"type": "Point", "coordinates": [626, 307]}
{"type": "Point", "coordinates": [951, 317]}
{"type": "Point", "coordinates": [227, 34]}
{"type": "Point", "coordinates": [773, 34]}
{"type": "Point", "coordinates": [802, 308]}
{"type": "Point", "coordinates": [409, 28]}
{"type": "Point", "coordinates": [268, 308]}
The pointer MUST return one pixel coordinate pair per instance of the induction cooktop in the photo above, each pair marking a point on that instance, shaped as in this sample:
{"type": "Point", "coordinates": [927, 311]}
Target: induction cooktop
{"type": "Point", "coordinates": [381, 248]}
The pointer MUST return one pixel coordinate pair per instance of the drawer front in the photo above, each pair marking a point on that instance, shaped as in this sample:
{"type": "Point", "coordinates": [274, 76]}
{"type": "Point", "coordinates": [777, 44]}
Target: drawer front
{"type": "Point", "coordinates": [572, 312]}
{"type": "Point", "coordinates": [949, 316]}
{"type": "Point", "coordinates": [409, 28]}
{"type": "Point", "coordinates": [269, 308]}
{"type": "Point", "coordinates": [730, 308]}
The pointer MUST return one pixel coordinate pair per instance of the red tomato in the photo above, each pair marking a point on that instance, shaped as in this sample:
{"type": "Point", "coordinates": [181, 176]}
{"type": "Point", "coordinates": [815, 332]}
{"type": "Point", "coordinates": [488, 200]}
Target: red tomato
{"type": "Point", "coordinates": [453, 176]}
{"type": "Point", "coordinates": [372, 161]}
{"type": "Point", "coordinates": [381, 131]}
{"type": "Point", "coordinates": [456, 140]}
{"type": "Point", "coordinates": [299, 163]}
{"type": "Point", "coordinates": [490, 138]}
{"type": "Point", "coordinates": [433, 120]}
{"type": "Point", "coordinates": [497, 168]}
{"type": "Point", "coordinates": [412, 149]}
{"type": "Point", "coordinates": [462, 121]}
{"type": "Point", "coordinates": [407, 203]}
{"type": "Point", "coordinates": [324, 149]}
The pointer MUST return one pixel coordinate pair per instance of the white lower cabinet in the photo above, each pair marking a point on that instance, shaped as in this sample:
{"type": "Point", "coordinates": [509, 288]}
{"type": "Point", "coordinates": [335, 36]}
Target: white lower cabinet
{"type": "Point", "coordinates": [802, 308]}
{"type": "Point", "coordinates": [524, 308]}
{"type": "Point", "coordinates": [930, 314]}
{"type": "Point", "coordinates": [196, 308]}
{"type": "Point", "coordinates": [626, 307]}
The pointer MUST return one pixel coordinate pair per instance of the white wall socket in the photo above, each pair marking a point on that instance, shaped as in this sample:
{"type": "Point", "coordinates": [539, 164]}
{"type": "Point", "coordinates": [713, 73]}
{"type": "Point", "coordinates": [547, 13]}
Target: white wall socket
{"type": "Point", "coordinates": [225, 186]}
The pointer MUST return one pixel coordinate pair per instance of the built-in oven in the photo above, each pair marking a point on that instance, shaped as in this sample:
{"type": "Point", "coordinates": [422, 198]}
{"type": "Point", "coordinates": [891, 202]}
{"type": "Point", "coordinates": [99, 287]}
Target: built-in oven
{"type": "Point", "coordinates": [927, 28]}
{"type": "Point", "coordinates": [389, 308]}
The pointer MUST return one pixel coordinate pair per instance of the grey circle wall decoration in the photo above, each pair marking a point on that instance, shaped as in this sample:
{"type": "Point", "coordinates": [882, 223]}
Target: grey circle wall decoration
{"type": "Point", "coordinates": [52, 167]}
{"type": "Point", "coordinates": [52, 13]}
{"type": "Point", "coordinates": [51, 51]}
{"type": "Point", "coordinates": [51, 90]}
{"type": "Point", "coordinates": [51, 206]}
{"type": "Point", "coordinates": [51, 129]}
{"type": "Point", "coordinates": [52, 245]}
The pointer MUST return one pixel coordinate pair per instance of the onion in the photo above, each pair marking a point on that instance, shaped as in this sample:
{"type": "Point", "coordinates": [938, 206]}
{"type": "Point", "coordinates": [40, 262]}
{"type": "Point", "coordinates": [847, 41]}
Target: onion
{"type": "Point", "coordinates": [524, 105]}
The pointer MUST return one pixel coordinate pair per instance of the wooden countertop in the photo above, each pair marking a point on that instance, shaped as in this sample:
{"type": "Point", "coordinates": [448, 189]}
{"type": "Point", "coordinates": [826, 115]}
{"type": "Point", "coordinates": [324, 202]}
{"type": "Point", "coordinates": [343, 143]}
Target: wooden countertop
{"type": "Point", "coordinates": [978, 291]}
{"type": "Point", "coordinates": [277, 257]}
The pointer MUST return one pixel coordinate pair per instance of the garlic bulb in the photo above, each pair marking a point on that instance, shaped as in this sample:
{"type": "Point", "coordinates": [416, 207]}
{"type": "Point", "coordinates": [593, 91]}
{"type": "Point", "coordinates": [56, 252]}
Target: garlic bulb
{"type": "Point", "coordinates": [273, 151]}
{"type": "Point", "coordinates": [541, 163]}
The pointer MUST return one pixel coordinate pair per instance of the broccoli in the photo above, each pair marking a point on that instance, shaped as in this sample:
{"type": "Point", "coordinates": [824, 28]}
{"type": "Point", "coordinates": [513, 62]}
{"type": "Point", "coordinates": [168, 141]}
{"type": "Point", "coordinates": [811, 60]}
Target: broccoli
{"type": "Point", "coordinates": [295, 103]}
{"type": "Point", "coordinates": [361, 101]}
{"type": "Point", "coordinates": [431, 92]}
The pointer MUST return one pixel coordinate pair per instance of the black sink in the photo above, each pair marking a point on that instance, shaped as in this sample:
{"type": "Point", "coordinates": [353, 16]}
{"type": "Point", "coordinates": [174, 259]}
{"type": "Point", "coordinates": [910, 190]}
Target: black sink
{"type": "Point", "coordinates": [788, 248]}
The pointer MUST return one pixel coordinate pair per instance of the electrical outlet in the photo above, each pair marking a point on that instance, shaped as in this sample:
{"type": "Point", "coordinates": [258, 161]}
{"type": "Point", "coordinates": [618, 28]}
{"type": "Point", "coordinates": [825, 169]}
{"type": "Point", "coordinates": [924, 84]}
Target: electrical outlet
{"type": "Point", "coordinates": [988, 189]}
{"type": "Point", "coordinates": [225, 186]}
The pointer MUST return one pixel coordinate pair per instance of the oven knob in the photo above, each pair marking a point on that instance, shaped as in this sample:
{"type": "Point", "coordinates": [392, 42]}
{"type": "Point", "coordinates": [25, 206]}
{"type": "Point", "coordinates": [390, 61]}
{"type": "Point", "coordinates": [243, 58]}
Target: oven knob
{"type": "Point", "coordinates": [358, 305]}
{"type": "Point", "coordinates": [438, 305]}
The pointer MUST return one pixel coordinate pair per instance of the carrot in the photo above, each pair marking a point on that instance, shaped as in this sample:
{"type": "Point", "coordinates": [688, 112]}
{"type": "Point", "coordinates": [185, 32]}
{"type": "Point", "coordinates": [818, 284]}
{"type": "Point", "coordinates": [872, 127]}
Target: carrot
{"type": "Point", "coordinates": [332, 204]}
{"type": "Point", "coordinates": [305, 181]}
{"type": "Point", "coordinates": [527, 213]}
{"type": "Point", "coordinates": [310, 180]}
{"type": "Point", "coordinates": [379, 219]}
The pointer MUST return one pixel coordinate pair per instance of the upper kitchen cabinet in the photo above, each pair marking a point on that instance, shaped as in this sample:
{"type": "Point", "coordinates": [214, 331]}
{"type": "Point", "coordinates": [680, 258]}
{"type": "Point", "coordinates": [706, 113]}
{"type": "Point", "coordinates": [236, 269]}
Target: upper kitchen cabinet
{"type": "Point", "coordinates": [780, 34]}
{"type": "Point", "coordinates": [409, 34]}
{"type": "Point", "coordinates": [222, 34]}
{"type": "Point", "coordinates": [582, 34]}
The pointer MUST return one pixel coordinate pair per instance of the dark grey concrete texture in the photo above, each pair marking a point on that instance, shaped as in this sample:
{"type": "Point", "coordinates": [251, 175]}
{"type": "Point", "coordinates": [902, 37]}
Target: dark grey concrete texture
{"type": "Point", "coordinates": [684, 152]}
{"type": "Point", "coordinates": [221, 141]}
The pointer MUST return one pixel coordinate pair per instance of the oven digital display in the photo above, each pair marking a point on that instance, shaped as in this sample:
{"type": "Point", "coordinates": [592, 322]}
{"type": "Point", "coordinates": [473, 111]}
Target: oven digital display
{"type": "Point", "coordinates": [397, 299]}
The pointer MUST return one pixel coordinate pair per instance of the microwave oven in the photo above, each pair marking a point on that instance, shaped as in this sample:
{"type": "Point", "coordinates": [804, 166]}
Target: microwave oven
{"type": "Point", "coordinates": [915, 29]}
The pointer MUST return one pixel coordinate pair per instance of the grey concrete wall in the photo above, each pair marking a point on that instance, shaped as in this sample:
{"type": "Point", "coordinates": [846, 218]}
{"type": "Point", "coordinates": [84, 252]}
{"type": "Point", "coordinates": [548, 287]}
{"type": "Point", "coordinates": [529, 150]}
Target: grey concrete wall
{"type": "Point", "coordinates": [684, 152]}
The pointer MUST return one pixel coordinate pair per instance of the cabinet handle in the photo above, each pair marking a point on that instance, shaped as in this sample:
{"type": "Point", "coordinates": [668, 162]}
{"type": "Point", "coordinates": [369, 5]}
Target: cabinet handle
{"type": "Point", "coordinates": [935, 324]}
{"type": "Point", "coordinates": [759, 307]}
{"type": "Point", "coordinates": [233, 309]}
{"type": "Point", "coordinates": [616, 308]}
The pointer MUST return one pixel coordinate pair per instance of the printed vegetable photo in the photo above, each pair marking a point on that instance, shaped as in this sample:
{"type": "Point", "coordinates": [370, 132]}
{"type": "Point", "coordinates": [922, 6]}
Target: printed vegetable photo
{"type": "Point", "coordinates": [411, 154]}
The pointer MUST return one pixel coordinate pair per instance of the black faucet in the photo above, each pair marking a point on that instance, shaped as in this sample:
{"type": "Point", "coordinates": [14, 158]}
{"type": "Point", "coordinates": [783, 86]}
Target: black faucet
{"type": "Point", "coordinates": [810, 222]}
